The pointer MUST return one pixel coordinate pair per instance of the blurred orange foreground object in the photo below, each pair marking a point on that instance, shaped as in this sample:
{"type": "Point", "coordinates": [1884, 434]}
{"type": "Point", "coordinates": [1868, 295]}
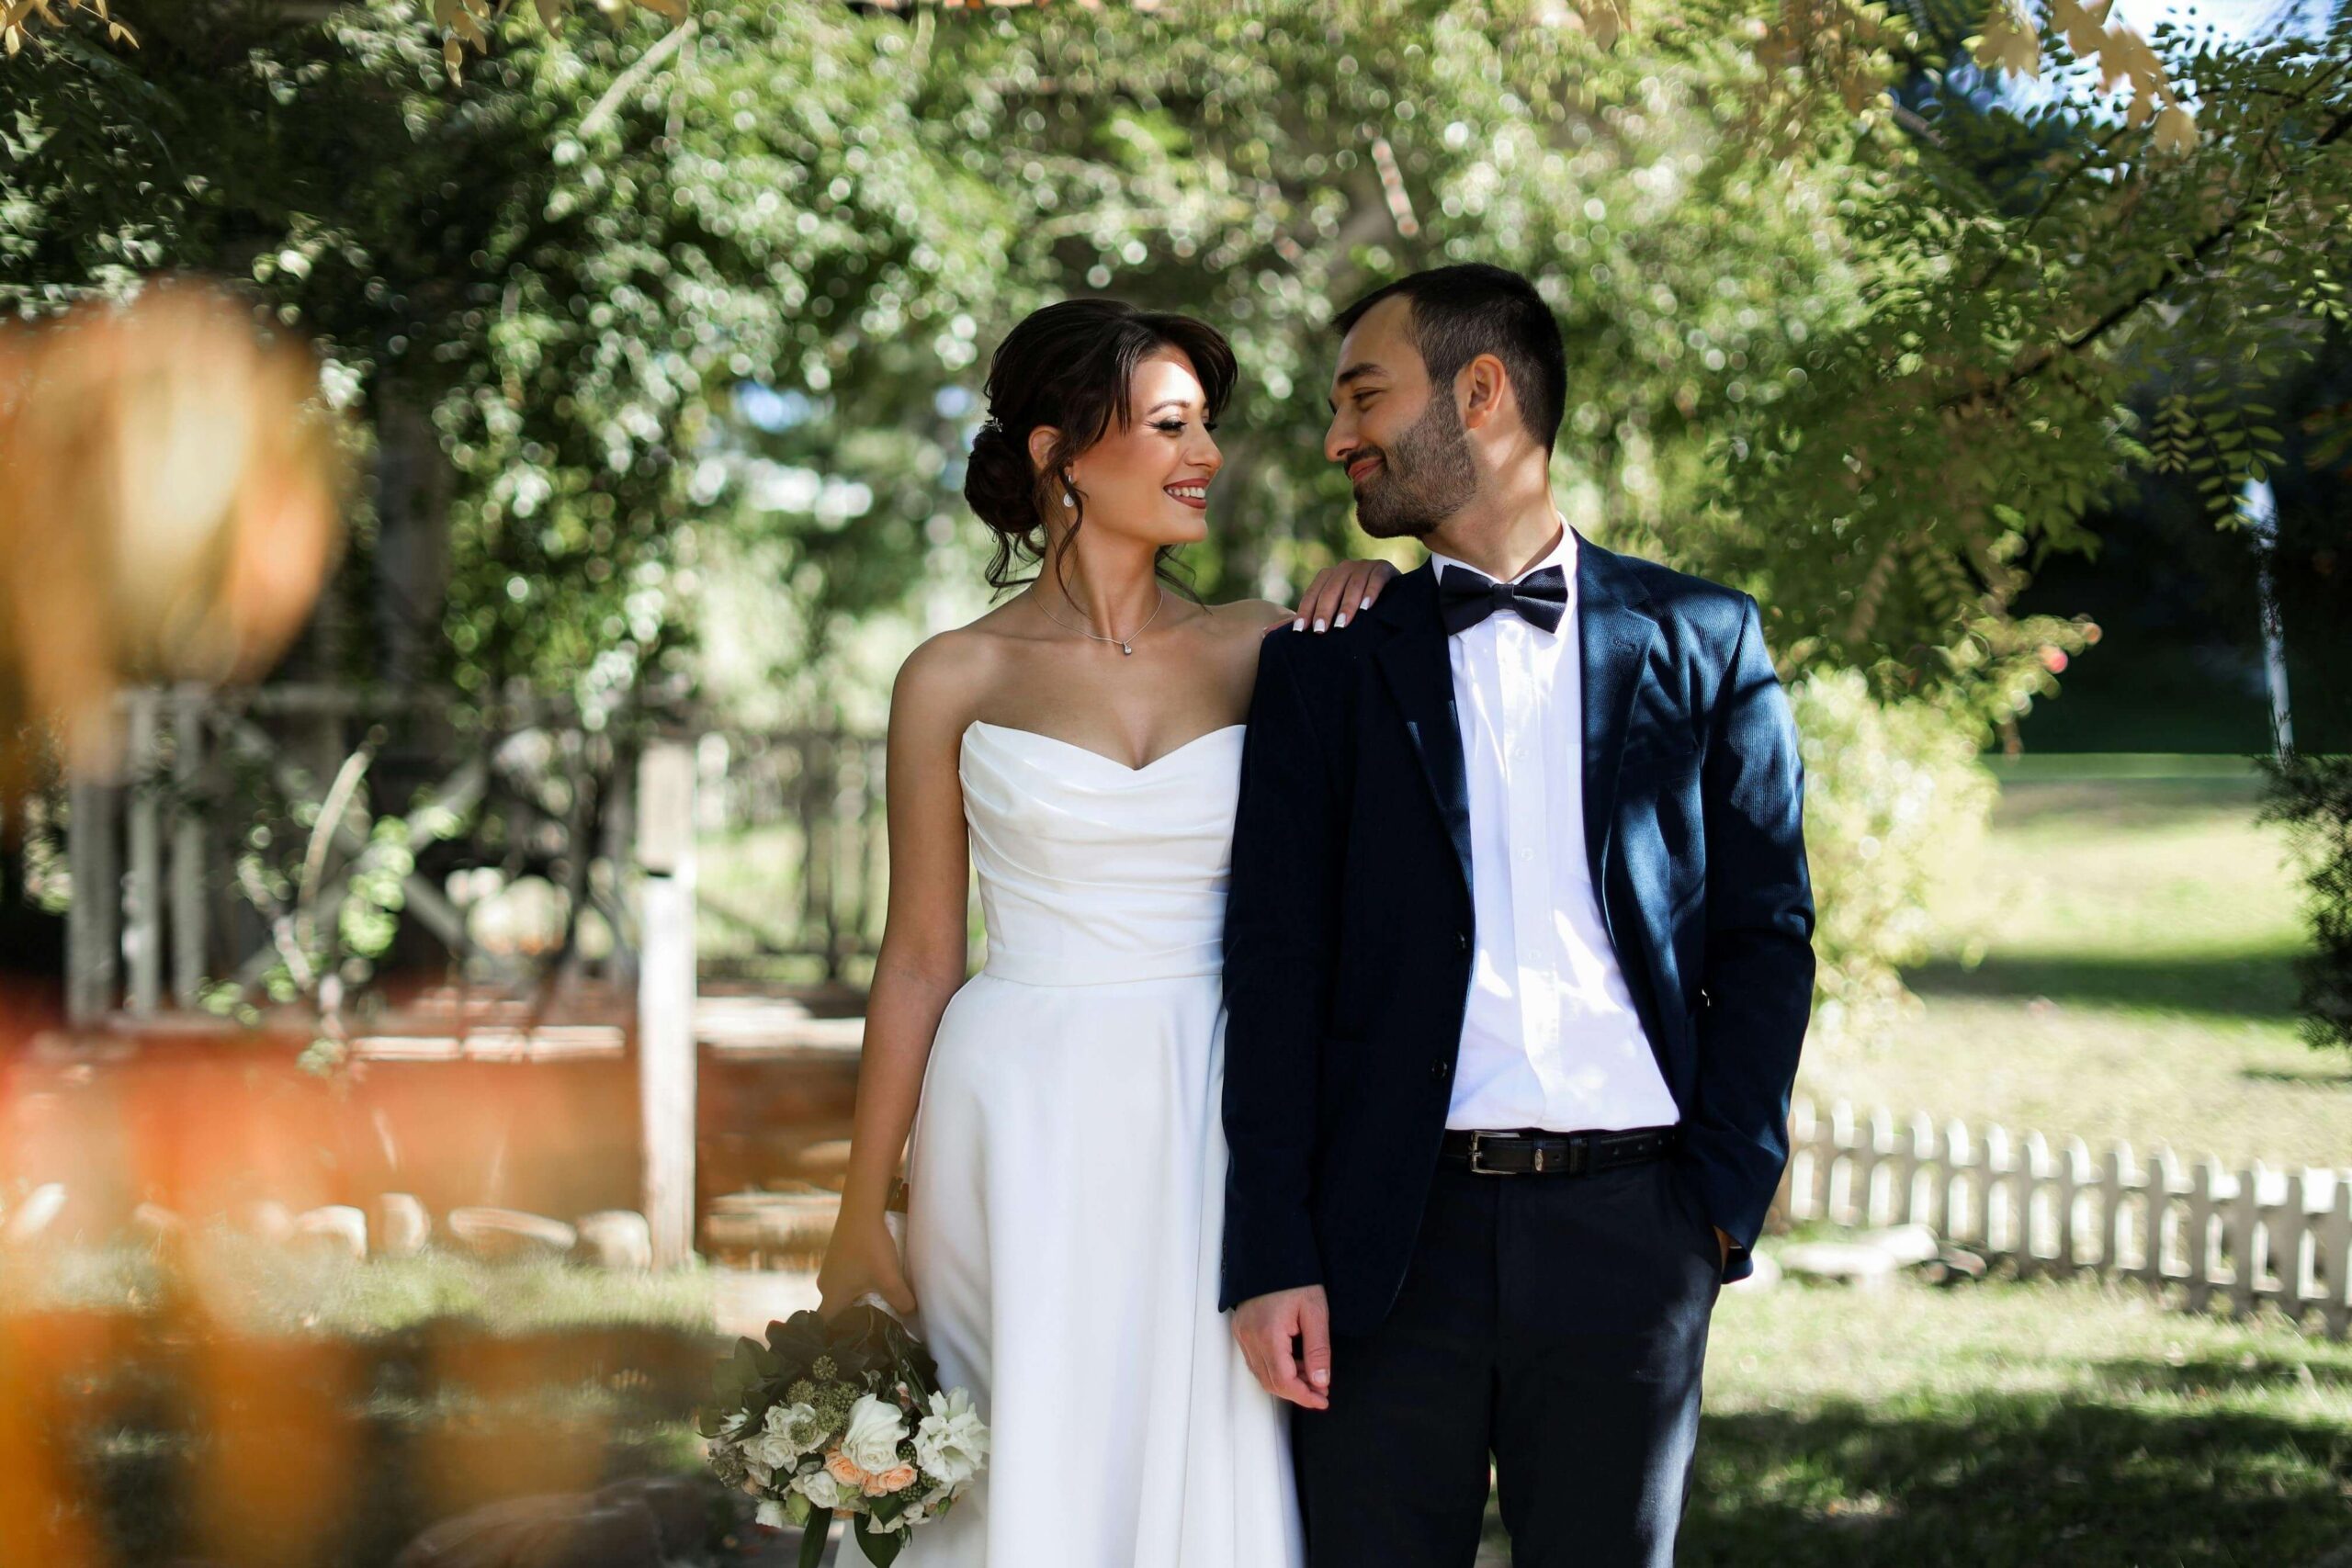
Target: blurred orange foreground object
{"type": "Point", "coordinates": [170, 491]}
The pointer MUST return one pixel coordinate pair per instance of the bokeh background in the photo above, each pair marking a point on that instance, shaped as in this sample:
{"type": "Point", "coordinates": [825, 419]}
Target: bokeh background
{"type": "Point", "coordinates": [472, 470]}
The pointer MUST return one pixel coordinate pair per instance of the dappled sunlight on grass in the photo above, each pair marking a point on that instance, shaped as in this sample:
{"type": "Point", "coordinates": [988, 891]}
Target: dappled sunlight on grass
{"type": "Point", "coordinates": [2116, 964]}
{"type": "Point", "coordinates": [2043, 1423]}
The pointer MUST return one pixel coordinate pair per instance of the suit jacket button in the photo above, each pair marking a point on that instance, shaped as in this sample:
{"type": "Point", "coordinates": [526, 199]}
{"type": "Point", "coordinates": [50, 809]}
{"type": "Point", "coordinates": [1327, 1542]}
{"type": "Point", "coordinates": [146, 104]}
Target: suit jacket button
{"type": "Point", "coordinates": [1441, 1070]}
{"type": "Point", "coordinates": [1460, 941]}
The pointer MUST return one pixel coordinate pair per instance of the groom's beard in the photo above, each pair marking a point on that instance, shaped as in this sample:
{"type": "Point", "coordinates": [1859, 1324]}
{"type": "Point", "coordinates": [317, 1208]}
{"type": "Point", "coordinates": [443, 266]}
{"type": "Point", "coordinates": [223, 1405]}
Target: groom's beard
{"type": "Point", "coordinates": [1424, 479]}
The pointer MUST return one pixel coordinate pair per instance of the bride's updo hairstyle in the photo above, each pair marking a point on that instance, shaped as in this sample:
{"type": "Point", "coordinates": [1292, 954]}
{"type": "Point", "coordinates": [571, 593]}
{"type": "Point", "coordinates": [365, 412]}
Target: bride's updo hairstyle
{"type": "Point", "coordinates": [1068, 366]}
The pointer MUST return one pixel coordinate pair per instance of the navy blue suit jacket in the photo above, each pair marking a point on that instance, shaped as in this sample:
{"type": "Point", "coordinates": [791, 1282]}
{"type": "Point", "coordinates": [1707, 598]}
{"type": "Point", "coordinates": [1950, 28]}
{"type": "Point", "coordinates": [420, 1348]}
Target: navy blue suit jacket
{"type": "Point", "coordinates": [1348, 926]}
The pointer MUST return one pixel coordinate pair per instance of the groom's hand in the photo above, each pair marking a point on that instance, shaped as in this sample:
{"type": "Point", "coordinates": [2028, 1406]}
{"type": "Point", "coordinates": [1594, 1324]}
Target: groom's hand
{"type": "Point", "coordinates": [1723, 1238]}
{"type": "Point", "coordinates": [1267, 1327]}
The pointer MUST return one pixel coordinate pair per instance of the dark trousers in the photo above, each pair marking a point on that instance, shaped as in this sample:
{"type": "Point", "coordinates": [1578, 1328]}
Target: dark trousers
{"type": "Point", "coordinates": [1555, 1322]}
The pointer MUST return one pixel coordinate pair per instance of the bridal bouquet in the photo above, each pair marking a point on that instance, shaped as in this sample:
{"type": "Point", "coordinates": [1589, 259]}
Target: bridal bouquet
{"type": "Point", "coordinates": [843, 1419]}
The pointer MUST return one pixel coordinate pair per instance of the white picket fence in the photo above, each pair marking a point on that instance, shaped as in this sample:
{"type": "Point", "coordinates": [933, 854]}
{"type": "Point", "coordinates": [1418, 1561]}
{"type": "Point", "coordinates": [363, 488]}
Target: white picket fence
{"type": "Point", "coordinates": [2227, 1239]}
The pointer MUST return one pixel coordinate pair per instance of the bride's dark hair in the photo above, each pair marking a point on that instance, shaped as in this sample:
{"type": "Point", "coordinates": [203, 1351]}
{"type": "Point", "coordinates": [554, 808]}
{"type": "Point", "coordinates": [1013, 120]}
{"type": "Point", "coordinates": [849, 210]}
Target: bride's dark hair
{"type": "Point", "coordinates": [1068, 366]}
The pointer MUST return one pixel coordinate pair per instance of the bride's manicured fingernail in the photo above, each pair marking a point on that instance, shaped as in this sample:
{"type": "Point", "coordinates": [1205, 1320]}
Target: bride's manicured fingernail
{"type": "Point", "coordinates": [1365, 604]}
{"type": "Point", "coordinates": [1340, 619]}
{"type": "Point", "coordinates": [1299, 625]}
{"type": "Point", "coordinates": [1321, 625]}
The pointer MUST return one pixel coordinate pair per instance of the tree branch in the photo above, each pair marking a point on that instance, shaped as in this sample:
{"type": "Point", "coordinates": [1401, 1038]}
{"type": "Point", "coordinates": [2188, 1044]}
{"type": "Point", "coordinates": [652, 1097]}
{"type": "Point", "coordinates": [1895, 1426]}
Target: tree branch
{"type": "Point", "coordinates": [631, 79]}
{"type": "Point", "coordinates": [2126, 308]}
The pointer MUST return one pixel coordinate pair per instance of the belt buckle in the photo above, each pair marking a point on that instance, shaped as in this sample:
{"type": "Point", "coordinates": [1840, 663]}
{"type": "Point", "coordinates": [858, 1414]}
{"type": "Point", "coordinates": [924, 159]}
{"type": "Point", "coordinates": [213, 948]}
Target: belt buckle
{"type": "Point", "coordinates": [1477, 1146]}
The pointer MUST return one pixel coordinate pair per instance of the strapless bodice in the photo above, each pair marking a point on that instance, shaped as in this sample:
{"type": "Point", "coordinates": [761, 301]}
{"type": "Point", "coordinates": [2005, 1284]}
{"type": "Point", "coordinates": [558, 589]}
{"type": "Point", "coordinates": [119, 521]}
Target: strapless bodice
{"type": "Point", "coordinates": [1093, 872]}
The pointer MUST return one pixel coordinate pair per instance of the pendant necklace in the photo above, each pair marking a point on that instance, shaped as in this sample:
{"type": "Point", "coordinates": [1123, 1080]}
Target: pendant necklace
{"type": "Point", "coordinates": [1126, 643]}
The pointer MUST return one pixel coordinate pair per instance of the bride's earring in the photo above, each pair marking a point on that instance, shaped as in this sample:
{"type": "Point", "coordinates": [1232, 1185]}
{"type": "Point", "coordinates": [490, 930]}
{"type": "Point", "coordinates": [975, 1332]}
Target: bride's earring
{"type": "Point", "coordinates": [1069, 492]}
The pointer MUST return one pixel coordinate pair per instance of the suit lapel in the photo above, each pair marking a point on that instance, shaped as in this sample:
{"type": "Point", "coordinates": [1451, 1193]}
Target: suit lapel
{"type": "Point", "coordinates": [1613, 645]}
{"type": "Point", "coordinates": [1420, 674]}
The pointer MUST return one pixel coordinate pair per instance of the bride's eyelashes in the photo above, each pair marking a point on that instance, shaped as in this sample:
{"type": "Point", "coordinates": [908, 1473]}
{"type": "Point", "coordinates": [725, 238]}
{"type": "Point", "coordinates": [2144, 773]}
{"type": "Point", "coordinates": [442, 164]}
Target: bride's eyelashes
{"type": "Point", "coordinates": [1176, 426]}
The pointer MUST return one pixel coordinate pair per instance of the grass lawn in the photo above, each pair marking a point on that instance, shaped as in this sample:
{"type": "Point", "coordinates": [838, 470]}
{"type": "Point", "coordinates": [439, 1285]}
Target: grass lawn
{"type": "Point", "coordinates": [2116, 964]}
{"type": "Point", "coordinates": [2046, 1423]}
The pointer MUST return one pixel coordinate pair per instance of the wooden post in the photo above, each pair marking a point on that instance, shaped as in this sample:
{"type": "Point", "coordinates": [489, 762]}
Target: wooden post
{"type": "Point", "coordinates": [2289, 1224]}
{"type": "Point", "coordinates": [2243, 1239]}
{"type": "Point", "coordinates": [2164, 1183]}
{"type": "Point", "coordinates": [2115, 1179]}
{"type": "Point", "coordinates": [1962, 1201]}
{"type": "Point", "coordinates": [2033, 1170]}
{"type": "Point", "coordinates": [2332, 1258]}
{"type": "Point", "coordinates": [1918, 1153]}
{"type": "Point", "coordinates": [2204, 1193]}
{"type": "Point", "coordinates": [187, 846]}
{"type": "Point", "coordinates": [665, 996]}
{"type": "Point", "coordinates": [620, 830]}
{"type": "Point", "coordinates": [1825, 1164]}
{"type": "Point", "coordinates": [2073, 1182]}
{"type": "Point", "coordinates": [93, 928]}
{"type": "Point", "coordinates": [861, 790]}
{"type": "Point", "coordinates": [1837, 1195]}
{"type": "Point", "coordinates": [143, 887]}
{"type": "Point", "coordinates": [1796, 1177]}
{"type": "Point", "coordinates": [1877, 1143]}
{"type": "Point", "coordinates": [1999, 1227]}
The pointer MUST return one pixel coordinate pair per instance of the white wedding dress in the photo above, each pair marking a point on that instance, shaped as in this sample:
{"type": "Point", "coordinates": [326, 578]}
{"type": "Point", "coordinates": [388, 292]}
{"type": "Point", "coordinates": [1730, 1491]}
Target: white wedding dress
{"type": "Point", "coordinates": [1066, 1182]}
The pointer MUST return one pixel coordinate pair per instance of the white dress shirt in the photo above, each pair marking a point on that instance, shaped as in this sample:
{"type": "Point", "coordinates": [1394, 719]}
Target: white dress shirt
{"type": "Point", "coordinates": [1550, 1038]}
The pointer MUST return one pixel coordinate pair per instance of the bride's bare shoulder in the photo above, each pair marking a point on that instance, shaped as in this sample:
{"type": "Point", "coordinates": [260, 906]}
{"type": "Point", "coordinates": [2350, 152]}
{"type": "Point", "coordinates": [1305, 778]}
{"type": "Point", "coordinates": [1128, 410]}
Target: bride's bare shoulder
{"type": "Point", "coordinates": [1245, 619]}
{"type": "Point", "coordinates": [938, 688]}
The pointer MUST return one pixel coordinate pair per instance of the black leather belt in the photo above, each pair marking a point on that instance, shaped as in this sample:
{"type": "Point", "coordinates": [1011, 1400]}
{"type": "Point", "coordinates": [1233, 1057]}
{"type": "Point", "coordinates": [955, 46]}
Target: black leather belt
{"type": "Point", "coordinates": [1555, 1154]}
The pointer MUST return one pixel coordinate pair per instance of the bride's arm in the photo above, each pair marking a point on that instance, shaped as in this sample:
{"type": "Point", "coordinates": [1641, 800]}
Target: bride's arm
{"type": "Point", "coordinates": [920, 965]}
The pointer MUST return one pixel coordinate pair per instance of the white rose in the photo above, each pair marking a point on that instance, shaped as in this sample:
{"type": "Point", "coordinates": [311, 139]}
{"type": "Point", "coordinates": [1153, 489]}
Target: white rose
{"type": "Point", "coordinates": [951, 1443]}
{"type": "Point", "coordinates": [762, 1474]}
{"type": "Point", "coordinates": [795, 1424]}
{"type": "Point", "coordinates": [733, 1424]}
{"type": "Point", "coordinates": [821, 1490]}
{"type": "Point", "coordinates": [875, 1430]}
{"type": "Point", "coordinates": [771, 1449]}
{"type": "Point", "coordinates": [770, 1513]}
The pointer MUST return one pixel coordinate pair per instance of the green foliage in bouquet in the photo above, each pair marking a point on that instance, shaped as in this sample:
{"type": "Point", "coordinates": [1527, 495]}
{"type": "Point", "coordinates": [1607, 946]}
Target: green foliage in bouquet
{"type": "Point", "coordinates": [860, 1345]}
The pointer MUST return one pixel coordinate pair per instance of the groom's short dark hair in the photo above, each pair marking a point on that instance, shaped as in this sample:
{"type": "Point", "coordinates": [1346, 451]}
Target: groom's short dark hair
{"type": "Point", "coordinates": [1460, 312]}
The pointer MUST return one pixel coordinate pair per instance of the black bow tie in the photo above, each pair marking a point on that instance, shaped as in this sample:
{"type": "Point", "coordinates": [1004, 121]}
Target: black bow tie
{"type": "Point", "coordinates": [1467, 597]}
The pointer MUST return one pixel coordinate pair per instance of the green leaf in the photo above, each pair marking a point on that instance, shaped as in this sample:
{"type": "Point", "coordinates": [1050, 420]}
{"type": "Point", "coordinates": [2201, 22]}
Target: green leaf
{"type": "Point", "coordinates": [882, 1545]}
{"type": "Point", "coordinates": [812, 1539]}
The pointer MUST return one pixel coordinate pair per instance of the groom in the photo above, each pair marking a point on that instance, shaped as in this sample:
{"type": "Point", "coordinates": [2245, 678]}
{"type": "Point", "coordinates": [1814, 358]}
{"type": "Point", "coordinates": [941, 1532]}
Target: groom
{"type": "Point", "coordinates": [1518, 961]}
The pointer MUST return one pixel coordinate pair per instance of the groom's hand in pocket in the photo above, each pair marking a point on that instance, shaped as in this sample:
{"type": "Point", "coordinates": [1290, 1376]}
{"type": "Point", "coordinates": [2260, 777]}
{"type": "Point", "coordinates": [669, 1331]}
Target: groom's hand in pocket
{"type": "Point", "coordinates": [1287, 1339]}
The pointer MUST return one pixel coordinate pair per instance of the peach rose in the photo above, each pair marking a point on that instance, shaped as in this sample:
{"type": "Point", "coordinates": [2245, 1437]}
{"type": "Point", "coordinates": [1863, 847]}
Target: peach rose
{"type": "Point", "coordinates": [898, 1478]}
{"type": "Point", "coordinates": [843, 1468]}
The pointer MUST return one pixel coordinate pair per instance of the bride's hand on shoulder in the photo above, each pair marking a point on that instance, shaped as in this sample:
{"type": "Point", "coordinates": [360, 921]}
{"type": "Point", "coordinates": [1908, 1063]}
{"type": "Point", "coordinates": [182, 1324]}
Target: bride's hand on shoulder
{"type": "Point", "coordinates": [1336, 594]}
{"type": "Point", "coordinates": [861, 1257]}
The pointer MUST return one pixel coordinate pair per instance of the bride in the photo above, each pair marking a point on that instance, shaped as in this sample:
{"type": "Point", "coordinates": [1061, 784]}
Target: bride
{"type": "Point", "coordinates": [1079, 745]}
